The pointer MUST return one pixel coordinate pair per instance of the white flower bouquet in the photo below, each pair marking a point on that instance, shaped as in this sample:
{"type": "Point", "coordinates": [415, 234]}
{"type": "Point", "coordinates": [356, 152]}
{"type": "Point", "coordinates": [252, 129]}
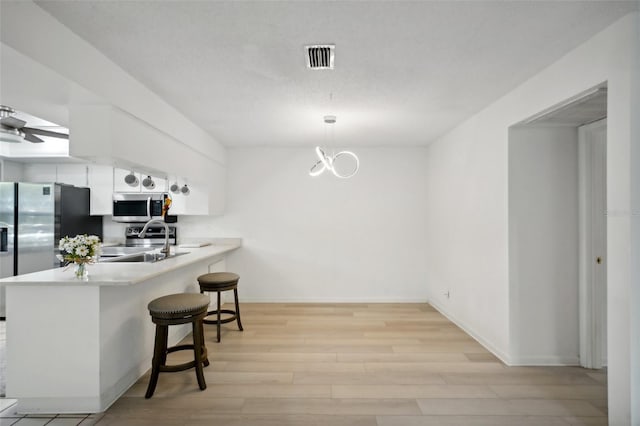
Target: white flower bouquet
{"type": "Point", "coordinates": [80, 249]}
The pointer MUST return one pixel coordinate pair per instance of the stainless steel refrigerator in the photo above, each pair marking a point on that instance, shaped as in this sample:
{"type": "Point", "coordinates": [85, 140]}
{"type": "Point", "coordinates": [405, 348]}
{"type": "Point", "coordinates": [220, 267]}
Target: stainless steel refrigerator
{"type": "Point", "coordinates": [33, 218]}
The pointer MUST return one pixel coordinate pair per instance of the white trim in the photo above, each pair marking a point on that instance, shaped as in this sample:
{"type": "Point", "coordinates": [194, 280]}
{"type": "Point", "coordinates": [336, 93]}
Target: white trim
{"type": "Point", "coordinates": [545, 361]}
{"type": "Point", "coordinates": [584, 251]}
{"type": "Point", "coordinates": [326, 300]}
{"type": "Point", "coordinates": [591, 306]}
{"type": "Point", "coordinates": [490, 346]}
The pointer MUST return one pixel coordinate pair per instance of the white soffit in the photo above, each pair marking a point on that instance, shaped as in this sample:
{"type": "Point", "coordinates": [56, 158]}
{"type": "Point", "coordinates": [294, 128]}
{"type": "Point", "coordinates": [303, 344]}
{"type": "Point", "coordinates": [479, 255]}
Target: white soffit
{"type": "Point", "coordinates": [56, 148]}
{"type": "Point", "coordinates": [406, 72]}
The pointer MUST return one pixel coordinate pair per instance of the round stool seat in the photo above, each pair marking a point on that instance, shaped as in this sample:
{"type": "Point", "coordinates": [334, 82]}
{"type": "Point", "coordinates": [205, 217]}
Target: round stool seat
{"type": "Point", "coordinates": [178, 306]}
{"type": "Point", "coordinates": [176, 309]}
{"type": "Point", "coordinates": [215, 281]}
{"type": "Point", "coordinates": [219, 282]}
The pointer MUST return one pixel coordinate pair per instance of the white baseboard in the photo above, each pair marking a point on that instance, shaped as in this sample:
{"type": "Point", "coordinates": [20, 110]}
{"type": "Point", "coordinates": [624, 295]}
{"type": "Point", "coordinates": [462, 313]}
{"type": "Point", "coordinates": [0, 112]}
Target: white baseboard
{"type": "Point", "coordinates": [490, 346]}
{"type": "Point", "coordinates": [529, 360]}
{"type": "Point", "coordinates": [327, 300]}
{"type": "Point", "coordinates": [555, 361]}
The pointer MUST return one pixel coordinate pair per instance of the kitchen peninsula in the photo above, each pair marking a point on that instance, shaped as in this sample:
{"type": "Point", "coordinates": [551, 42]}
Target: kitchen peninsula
{"type": "Point", "coordinates": [76, 346]}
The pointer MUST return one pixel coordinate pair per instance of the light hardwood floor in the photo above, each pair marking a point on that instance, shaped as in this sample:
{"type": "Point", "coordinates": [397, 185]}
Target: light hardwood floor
{"type": "Point", "coordinates": [359, 364]}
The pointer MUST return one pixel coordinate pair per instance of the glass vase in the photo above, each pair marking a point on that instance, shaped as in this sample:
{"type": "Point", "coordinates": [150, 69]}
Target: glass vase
{"type": "Point", "coordinates": [81, 271]}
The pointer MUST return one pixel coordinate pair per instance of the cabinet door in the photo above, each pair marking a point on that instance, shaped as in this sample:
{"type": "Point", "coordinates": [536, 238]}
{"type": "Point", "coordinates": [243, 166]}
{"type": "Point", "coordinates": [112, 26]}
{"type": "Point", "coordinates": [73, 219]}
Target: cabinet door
{"type": "Point", "coordinates": [100, 179]}
{"type": "Point", "coordinates": [159, 184]}
{"type": "Point", "coordinates": [71, 174]}
{"type": "Point", "coordinates": [196, 203]}
{"type": "Point", "coordinates": [119, 184]}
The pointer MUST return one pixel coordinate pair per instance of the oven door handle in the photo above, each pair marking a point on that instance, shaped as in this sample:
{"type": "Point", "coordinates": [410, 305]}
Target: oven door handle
{"type": "Point", "coordinates": [149, 207]}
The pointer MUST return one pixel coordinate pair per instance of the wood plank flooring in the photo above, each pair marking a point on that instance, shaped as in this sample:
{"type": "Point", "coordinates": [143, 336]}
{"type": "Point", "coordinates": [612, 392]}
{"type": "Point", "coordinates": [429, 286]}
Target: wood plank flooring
{"type": "Point", "coordinates": [359, 365]}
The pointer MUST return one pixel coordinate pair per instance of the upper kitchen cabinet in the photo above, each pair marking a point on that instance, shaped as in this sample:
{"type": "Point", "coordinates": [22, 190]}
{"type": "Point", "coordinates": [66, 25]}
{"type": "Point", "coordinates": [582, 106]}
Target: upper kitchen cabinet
{"type": "Point", "coordinates": [100, 180]}
{"type": "Point", "coordinates": [194, 202]}
{"type": "Point", "coordinates": [105, 180]}
{"type": "Point", "coordinates": [130, 181]}
{"type": "Point", "coordinates": [106, 134]}
{"type": "Point", "coordinates": [153, 184]}
{"type": "Point", "coordinates": [70, 174]}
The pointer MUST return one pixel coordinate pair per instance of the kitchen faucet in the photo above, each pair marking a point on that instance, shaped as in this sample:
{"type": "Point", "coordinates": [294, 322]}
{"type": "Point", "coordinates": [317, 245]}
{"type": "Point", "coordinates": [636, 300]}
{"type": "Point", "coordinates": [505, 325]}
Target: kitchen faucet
{"type": "Point", "coordinates": [167, 248]}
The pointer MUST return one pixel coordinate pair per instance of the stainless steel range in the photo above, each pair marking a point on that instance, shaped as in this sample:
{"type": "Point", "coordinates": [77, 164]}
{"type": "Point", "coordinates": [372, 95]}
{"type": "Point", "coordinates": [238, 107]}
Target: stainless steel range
{"type": "Point", "coordinates": [154, 236]}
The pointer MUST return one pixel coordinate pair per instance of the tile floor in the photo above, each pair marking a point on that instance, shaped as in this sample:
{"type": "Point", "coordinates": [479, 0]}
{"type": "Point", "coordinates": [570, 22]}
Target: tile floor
{"type": "Point", "coordinates": [353, 364]}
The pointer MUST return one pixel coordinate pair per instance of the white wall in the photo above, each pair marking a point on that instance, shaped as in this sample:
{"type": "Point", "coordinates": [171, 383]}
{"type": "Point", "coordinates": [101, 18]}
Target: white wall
{"type": "Point", "coordinates": [466, 222]}
{"type": "Point", "coordinates": [543, 246]}
{"type": "Point", "coordinates": [468, 226]}
{"type": "Point", "coordinates": [11, 171]}
{"type": "Point", "coordinates": [323, 239]}
{"type": "Point", "coordinates": [634, 159]}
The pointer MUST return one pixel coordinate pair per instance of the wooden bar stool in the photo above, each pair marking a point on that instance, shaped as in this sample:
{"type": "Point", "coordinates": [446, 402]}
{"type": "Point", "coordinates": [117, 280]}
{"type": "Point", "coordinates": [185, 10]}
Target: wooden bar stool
{"type": "Point", "coordinates": [219, 282]}
{"type": "Point", "coordinates": [176, 309]}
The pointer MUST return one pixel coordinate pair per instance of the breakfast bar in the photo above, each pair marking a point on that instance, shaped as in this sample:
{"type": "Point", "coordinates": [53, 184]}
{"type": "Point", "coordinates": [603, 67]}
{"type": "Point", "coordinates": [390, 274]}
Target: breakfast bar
{"type": "Point", "coordinates": [76, 346]}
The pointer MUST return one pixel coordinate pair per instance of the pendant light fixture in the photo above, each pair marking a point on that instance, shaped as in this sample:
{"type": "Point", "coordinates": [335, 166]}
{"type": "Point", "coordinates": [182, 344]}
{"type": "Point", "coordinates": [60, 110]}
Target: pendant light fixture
{"type": "Point", "coordinates": [328, 162]}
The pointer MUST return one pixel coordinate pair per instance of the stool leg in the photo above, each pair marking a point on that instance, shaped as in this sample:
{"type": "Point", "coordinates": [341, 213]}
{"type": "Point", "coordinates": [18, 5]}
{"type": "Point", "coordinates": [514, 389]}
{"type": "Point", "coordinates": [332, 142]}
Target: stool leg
{"type": "Point", "coordinates": [159, 357]}
{"type": "Point", "coordinates": [205, 361]}
{"type": "Point", "coordinates": [235, 295]}
{"type": "Point", "coordinates": [198, 343]}
{"type": "Point", "coordinates": [219, 309]}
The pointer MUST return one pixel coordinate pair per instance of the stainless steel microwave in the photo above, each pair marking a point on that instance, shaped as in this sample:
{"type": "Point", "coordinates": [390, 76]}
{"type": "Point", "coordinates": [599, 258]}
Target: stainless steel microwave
{"type": "Point", "coordinates": [137, 206]}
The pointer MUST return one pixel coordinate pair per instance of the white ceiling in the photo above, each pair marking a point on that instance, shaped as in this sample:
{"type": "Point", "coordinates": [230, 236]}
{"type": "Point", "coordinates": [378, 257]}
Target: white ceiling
{"type": "Point", "coordinates": [406, 72]}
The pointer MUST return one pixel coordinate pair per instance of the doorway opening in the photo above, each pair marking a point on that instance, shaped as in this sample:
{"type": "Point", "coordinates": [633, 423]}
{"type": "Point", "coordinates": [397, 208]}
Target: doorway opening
{"type": "Point", "coordinates": [557, 233]}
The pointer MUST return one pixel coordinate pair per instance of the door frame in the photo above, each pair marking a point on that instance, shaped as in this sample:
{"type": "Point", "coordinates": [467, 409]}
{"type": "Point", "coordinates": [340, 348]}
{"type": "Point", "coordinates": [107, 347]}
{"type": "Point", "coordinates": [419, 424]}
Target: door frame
{"type": "Point", "coordinates": [592, 275]}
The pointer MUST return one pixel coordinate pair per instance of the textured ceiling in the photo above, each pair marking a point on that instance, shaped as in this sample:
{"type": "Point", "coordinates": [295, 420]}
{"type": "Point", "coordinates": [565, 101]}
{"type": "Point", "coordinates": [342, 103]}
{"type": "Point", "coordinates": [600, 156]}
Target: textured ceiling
{"type": "Point", "coordinates": [405, 73]}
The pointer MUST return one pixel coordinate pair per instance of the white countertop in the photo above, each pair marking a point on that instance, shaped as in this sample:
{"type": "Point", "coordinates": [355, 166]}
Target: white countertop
{"type": "Point", "coordinates": [122, 273]}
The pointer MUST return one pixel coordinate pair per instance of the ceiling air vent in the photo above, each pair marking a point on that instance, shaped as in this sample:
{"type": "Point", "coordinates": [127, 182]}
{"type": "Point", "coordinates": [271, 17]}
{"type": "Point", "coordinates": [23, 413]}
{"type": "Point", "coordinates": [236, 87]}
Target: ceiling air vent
{"type": "Point", "coordinates": [320, 57]}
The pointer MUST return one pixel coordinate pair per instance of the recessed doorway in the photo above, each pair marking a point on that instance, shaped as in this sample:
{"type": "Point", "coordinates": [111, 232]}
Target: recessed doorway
{"type": "Point", "coordinates": [557, 233]}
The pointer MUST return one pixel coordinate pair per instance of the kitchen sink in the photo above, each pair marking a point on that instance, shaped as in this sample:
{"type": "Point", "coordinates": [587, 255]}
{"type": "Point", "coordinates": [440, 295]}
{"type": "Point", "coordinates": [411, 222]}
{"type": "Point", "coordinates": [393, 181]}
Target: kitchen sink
{"type": "Point", "coordinates": [113, 251]}
{"type": "Point", "coordinates": [140, 257]}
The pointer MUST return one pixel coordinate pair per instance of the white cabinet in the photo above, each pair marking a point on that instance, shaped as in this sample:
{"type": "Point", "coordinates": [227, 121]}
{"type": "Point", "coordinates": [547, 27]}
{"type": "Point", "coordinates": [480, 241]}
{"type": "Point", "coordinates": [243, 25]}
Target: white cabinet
{"type": "Point", "coordinates": [196, 203]}
{"type": "Point", "coordinates": [69, 173]}
{"type": "Point", "coordinates": [119, 184]}
{"type": "Point", "coordinates": [100, 180]}
{"type": "Point", "coordinates": [103, 180]}
{"type": "Point", "coordinates": [159, 184]}
{"type": "Point", "coordinates": [206, 198]}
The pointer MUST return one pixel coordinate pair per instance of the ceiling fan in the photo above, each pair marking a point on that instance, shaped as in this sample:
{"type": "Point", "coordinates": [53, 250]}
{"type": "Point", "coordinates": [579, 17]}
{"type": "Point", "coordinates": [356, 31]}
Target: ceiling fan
{"type": "Point", "coordinates": [13, 129]}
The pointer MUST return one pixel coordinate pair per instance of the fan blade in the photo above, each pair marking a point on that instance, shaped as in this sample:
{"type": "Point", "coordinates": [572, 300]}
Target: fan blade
{"type": "Point", "coordinates": [49, 133]}
{"type": "Point", "coordinates": [16, 123]}
{"type": "Point", "coordinates": [31, 138]}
